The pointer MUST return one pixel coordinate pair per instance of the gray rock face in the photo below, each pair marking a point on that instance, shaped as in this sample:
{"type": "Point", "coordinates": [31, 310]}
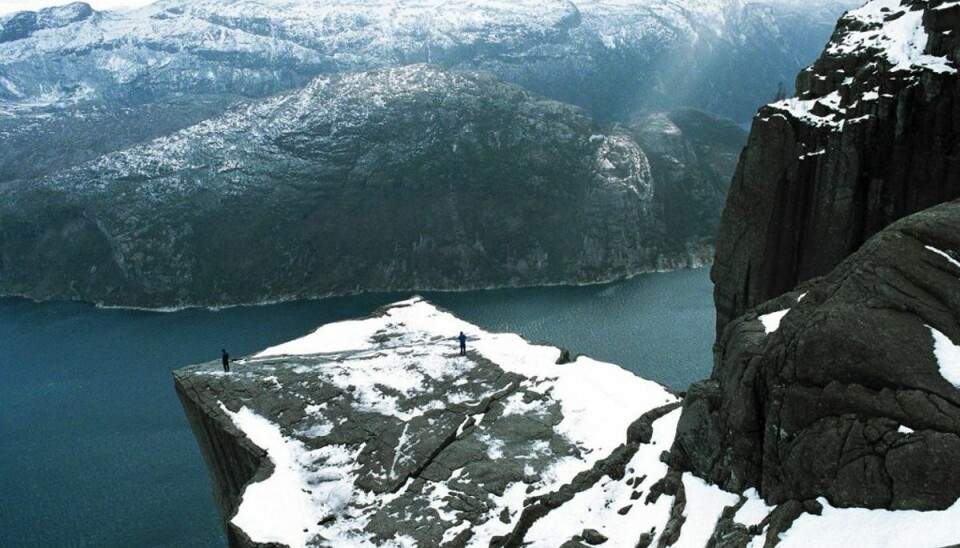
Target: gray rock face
{"type": "Point", "coordinates": [872, 137]}
{"type": "Point", "coordinates": [410, 178]}
{"type": "Point", "coordinates": [849, 397]}
{"type": "Point", "coordinates": [611, 58]}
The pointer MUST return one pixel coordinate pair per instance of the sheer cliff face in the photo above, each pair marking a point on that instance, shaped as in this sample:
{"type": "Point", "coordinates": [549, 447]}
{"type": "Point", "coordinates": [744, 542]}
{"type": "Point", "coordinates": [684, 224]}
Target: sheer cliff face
{"type": "Point", "coordinates": [410, 178]}
{"type": "Point", "coordinates": [873, 135]}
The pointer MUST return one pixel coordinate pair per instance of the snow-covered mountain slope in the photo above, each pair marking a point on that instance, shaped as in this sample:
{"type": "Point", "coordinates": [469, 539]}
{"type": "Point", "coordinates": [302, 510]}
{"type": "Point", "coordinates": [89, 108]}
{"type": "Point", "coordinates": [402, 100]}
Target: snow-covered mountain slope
{"type": "Point", "coordinates": [670, 53]}
{"type": "Point", "coordinates": [376, 432]}
{"type": "Point", "coordinates": [407, 178]}
{"type": "Point", "coordinates": [74, 74]}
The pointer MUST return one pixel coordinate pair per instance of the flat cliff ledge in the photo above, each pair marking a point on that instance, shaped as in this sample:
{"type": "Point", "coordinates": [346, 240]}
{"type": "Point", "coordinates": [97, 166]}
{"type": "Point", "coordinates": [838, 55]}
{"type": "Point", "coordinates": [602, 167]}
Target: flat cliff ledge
{"type": "Point", "coordinates": [377, 432]}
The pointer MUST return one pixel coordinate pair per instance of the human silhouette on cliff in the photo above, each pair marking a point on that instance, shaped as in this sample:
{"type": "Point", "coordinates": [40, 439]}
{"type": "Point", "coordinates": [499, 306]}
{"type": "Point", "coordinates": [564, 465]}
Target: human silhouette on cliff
{"type": "Point", "coordinates": [226, 359]}
{"type": "Point", "coordinates": [463, 344]}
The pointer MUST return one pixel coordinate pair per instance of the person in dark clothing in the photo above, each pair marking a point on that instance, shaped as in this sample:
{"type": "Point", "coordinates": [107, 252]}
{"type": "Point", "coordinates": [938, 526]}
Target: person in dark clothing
{"type": "Point", "coordinates": [226, 359]}
{"type": "Point", "coordinates": [463, 344]}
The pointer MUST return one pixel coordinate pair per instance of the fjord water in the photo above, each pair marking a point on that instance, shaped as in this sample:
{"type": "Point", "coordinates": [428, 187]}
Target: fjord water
{"type": "Point", "coordinates": [95, 450]}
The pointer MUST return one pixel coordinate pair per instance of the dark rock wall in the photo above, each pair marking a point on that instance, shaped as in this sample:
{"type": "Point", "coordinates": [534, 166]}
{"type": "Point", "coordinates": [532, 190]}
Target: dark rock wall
{"type": "Point", "coordinates": [816, 407]}
{"type": "Point", "coordinates": [232, 460]}
{"type": "Point", "coordinates": [807, 194]}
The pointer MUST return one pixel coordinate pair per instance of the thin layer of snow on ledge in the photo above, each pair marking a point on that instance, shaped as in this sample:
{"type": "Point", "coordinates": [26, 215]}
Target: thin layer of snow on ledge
{"type": "Point", "coordinates": [771, 321]}
{"type": "Point", "coordinates": [843, 527]}
{"type": "Point", "coordinates": [597, 507]}
{"type": "Point", "coordinates": [802, 109]}
{"type": "Point", "coordinates": [901, 40]}
{"type": "Point", "coordinates": [948, 356]}
{"type": "Point", "coordinates": [285, 507]}
{"type": "Point", "coordinates": [412, 342]}
{"type": "Point", "coordinates": [905, 430]}
{"type": "Point", "coordinates": [945, 255]}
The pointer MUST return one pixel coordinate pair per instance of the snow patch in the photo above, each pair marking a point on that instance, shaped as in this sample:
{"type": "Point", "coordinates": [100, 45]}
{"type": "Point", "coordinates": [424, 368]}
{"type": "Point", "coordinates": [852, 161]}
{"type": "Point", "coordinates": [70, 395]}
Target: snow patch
{"type": "Point", "coordinates": [705, 504]}
{"type": "Point", "coordinates": [285, 508]}
{"type": "Point", "coordinates": [841, 527]}
{"type": "Point", "coordinates": [948, 356]}
{"type": "Point", "coordinates": [771, 322]}
{"type": "Point", "coordinates": [945, 255]}
{"type": "Point", "coordinates": [754, 510]}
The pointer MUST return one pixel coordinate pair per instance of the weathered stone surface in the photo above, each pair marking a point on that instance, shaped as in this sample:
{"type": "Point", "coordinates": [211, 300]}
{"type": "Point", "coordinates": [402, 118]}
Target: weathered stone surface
{"type": "Point", "coordinates": [389, 435]}
{"type": "Point", "coordinates": [817, 407]}
{"type": "Point", "coordinates": [865, 143]}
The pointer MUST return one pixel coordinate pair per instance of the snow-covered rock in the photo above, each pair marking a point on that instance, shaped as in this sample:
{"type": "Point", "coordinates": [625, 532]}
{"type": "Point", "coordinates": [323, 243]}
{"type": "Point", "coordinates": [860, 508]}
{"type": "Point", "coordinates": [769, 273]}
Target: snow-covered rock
{"type": "Point", "coordinates": [261, 46]}
{"type": "Point", "coordinates": [377, 432]}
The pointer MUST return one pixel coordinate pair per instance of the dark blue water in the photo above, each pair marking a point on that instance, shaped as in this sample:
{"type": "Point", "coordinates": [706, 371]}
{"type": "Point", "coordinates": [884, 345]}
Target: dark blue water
{"type": "Point", "coordinates": [95, 450]}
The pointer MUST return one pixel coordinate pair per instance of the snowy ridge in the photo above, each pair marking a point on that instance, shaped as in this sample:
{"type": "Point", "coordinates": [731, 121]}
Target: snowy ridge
{"type": "Point", "coordinates": [215, 46]}
{"type": "Point", "coordinates": [888, 40]}
{"type": "Point", "coordinates": [894, 31]}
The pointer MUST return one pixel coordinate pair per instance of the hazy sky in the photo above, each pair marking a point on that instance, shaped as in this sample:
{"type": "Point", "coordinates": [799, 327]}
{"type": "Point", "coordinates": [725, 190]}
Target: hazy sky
{"type": "Point", "coordinates": [7, 6]}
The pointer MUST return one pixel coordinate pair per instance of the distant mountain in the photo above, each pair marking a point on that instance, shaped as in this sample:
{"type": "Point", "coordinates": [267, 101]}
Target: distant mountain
{"type": "Point", "coordinates": [692, 157]}
{"type": "Point", "coordinates": [407, 178]}
{"type": "Point", "coordinates": [74, 71]}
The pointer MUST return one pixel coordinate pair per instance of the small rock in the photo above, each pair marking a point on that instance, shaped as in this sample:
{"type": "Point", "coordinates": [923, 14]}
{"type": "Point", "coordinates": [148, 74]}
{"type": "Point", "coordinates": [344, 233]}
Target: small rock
{"type": "Point", "coordinates": [813, 507]}
{"type": "Point", "coordinates": [593, 537]}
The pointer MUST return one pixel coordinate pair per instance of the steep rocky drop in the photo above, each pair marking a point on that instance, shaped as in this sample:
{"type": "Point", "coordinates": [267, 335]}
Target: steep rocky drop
{"type": "Point", "coordinates": [873, 135]}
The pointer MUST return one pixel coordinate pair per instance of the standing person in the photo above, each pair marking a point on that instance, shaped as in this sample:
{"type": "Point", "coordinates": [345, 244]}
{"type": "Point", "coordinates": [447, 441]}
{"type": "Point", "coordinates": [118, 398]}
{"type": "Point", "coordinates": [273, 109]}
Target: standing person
{"type": "Point", "coordinates": [226, 360]}
{"type": "Point", "coordinates": [463, 344]}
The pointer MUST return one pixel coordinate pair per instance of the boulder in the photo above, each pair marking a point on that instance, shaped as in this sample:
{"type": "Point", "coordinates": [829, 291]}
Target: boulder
{"type": "Point", "coordinates": [846, 387]}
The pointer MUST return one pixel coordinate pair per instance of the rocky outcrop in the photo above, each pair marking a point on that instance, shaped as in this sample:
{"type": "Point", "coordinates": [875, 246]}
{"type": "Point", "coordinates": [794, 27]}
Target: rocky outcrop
{"type": "Point", "coordinates": [377, 432]}
{"type": "Point", "coordinates": [412, 178]}
{"type": "Point", "coordinates": [872, 136]}
{"type": "Point", "coordinates": [847, 387]}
